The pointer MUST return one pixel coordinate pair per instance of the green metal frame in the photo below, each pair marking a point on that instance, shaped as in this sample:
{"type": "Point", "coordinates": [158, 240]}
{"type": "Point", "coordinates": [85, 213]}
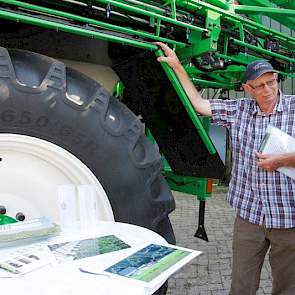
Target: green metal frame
{"type": "Point", "coordinates": [188, 184]}
{"type": "Point", "coordinates": [214, 19]}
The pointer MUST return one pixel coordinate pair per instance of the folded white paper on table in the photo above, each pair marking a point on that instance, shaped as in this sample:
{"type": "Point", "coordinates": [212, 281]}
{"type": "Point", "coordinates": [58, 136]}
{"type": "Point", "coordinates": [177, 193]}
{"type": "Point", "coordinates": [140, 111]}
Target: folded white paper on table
{"type": "Point", "coordinates": [275, 141]}
{"type": "Point", "coordinates": [24, 260]}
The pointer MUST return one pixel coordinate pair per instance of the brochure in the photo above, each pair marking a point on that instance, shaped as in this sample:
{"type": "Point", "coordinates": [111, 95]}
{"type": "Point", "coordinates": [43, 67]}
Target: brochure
{"type": "Point", "coordinates": [275, 141]}
{"type": "Point", "coordinates": [24, 260]}
{"type": "Point", "coordinates": [14, 234]}
{"type": "Point", "coordinates": [78, 249]}
{"type": "Point", "coordinates": [152, 264]}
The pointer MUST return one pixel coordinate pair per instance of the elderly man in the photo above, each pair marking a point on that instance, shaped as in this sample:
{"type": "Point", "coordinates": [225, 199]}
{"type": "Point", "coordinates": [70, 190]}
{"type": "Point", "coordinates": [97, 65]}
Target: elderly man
{"type": "Point", "coordinates": [263, 198]}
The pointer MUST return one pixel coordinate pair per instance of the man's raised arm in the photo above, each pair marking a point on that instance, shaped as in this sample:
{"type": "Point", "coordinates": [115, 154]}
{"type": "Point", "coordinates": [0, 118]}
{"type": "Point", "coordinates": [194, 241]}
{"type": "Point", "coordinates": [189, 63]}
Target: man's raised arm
{"type": "Point", "coordinates": [201, 105]}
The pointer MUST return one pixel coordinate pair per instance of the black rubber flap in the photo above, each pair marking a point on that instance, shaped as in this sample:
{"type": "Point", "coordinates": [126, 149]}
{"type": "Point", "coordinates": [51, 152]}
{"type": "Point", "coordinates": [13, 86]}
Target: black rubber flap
{"type": "Point", "coordinates": [149, 92]}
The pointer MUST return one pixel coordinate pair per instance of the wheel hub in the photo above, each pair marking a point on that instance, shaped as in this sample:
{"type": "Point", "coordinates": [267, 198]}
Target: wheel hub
{"type": "Point", "coordinates": [31, 170]}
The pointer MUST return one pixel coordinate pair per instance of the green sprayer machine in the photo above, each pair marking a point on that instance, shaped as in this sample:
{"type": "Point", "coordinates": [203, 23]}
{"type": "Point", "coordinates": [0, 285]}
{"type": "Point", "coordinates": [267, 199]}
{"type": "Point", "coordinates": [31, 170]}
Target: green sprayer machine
{"type": "Point", "coordinates": [84, 100]}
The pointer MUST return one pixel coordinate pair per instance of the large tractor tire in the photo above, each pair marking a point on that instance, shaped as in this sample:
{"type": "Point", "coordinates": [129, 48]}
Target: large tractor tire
{"type": "Point", "coordinates": [41, 98]}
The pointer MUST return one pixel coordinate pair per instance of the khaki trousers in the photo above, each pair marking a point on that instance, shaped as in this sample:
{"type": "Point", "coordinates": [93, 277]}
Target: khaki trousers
{"type": "Point", "coordinates": [250, 245]}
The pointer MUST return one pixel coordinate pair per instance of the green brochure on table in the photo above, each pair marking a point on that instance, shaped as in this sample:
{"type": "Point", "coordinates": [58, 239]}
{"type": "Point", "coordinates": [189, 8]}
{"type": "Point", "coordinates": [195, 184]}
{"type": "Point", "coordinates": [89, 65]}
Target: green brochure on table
{"type": "Point", "coordinates": [152, 264]}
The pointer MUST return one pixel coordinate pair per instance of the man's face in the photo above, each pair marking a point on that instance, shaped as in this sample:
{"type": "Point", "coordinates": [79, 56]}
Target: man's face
{"type": "Point", "coordinates": [264, 89]}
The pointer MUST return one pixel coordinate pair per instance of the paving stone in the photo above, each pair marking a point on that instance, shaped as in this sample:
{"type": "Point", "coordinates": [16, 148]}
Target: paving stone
{"type": "Point", "coordinates": [202, 293]}
{"type": "Point", "coordinates": [219, 292]}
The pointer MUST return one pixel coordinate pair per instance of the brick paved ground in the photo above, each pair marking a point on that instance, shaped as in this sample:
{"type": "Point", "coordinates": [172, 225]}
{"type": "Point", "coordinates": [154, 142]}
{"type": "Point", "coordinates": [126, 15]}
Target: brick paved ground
{"type": "Point", "coordinates": [210, 273]}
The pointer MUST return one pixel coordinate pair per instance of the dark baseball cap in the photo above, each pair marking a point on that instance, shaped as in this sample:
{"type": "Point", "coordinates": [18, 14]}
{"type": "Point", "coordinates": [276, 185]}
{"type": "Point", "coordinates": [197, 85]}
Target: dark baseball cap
{"type": "Point", "coordinates": [257, 68]}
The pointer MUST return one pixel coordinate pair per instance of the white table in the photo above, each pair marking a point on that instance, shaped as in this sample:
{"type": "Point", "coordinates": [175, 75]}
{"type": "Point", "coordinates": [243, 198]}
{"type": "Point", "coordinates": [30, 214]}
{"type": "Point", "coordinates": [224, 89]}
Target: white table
{"type": "Point", "coordinates": [66, 279]}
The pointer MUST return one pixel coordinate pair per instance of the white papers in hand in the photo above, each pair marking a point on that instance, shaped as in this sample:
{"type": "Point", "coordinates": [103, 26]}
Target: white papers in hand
{"type": "Point", "coordinates": [276, 141]}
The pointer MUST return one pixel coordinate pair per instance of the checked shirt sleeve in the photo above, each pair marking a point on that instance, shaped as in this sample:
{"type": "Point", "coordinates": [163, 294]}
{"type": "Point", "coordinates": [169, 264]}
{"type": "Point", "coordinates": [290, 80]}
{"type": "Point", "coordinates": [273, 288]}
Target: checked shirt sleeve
{"type": "Point", "coordinates": [223, 111]}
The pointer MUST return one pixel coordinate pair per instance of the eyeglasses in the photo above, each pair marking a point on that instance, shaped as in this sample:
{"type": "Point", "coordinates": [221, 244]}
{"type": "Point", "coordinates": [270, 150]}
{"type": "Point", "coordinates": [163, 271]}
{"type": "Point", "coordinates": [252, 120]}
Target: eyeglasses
{"type": "Point", "coordinates": [260, 87]}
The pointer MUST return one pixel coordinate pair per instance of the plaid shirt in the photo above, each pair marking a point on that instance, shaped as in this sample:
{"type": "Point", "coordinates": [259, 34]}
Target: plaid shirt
{"type": "Point", "coordinates": [256, 194]}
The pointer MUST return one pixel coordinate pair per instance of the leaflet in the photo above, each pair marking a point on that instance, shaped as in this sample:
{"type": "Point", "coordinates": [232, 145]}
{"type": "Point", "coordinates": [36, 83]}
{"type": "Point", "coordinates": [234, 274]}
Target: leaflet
{"type": "Point", "coordinates": [24, 260]}
{"type": "Point", "coordinates": [148, 265]}
{"type": "Point", "coordinates": [18, 233]}
{"type": "Point", "coordinates": [79, 249]}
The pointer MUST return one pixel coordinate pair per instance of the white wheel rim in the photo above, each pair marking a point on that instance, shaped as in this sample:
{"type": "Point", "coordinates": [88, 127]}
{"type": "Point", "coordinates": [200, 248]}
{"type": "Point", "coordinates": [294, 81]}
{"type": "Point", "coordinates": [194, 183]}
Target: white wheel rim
{"type": "Point", "coordinates": [31, 171]}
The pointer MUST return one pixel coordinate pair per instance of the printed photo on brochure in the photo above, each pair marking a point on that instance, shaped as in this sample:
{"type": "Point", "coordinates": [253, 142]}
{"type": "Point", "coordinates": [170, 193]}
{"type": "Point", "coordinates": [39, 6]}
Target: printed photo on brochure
{"type": "Point", "coordinates": [79, 249]}
{"type": "Point", "coordinates": [153, 262]}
